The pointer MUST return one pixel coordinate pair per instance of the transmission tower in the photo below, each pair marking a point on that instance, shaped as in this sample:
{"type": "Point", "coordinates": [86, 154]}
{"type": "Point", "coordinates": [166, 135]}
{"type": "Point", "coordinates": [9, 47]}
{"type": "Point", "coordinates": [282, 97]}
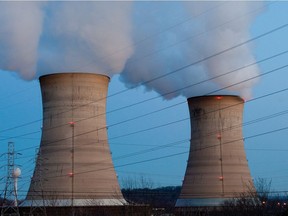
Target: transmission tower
{"type": "Point", "coordinates": [10, 205]}
{"type": "Point", "coordinates": [37, 208]}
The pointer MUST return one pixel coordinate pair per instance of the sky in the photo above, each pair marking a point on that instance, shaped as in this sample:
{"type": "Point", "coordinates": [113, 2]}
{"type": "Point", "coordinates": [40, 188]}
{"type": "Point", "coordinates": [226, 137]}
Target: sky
{"type": "Point", "coordinates": [160, 153]}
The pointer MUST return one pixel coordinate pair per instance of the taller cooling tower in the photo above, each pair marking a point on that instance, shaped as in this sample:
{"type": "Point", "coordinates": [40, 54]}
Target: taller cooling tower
{"type": "Point", "coordinates": [217, 167]}
{"type": "Point", "coordinates": [74, 165]}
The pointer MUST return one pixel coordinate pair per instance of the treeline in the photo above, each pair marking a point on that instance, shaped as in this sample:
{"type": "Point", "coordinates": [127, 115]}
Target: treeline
{"type": "Point", "coordinates": [259, 202]}
{"type": "Point", "coordinates": [162, 197]}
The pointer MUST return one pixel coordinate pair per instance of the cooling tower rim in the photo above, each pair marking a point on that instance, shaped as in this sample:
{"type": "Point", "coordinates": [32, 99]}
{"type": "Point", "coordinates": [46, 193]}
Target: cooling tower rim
{"type": "Point", "coordinates": [77, 73]}
{"type": "Point", "coordinates": [216, 96]}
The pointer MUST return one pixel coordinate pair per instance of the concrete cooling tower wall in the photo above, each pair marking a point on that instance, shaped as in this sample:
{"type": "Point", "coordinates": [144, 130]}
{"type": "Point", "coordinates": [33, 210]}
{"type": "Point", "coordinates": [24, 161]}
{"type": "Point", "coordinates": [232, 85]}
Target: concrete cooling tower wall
{"type": "Point", "coordinates": [217, 167]}
{"type": "Point", "coordinates": [74, 164]}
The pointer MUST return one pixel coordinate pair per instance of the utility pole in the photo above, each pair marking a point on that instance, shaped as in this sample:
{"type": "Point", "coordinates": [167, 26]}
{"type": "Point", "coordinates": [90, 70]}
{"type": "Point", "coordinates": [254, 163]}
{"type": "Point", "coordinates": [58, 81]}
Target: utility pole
{"type": "Point", "coordinates": [72, 124]}
{"type": "Point", "coordinates": [72, 170]}
{"type": "Point", "coordinates": [10, 205]}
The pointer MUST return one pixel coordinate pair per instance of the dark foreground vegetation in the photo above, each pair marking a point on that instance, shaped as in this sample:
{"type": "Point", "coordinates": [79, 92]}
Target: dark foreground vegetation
{"type": "Point", "coordinates": [161, 201]}
{"type": "Point", "coordinates": [164, 197]}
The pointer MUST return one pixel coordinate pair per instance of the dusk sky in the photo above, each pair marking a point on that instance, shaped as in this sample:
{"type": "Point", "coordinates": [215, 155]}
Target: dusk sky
{"type": "Point", "coordinates": [149, 129]}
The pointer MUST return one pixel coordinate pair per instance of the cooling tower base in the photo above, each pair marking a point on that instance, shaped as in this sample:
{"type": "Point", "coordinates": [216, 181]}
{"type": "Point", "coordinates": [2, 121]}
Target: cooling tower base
{"type": "Point", "coordinates": [201, 202]}
{"type": "Point", "coordinates": [76, 202]}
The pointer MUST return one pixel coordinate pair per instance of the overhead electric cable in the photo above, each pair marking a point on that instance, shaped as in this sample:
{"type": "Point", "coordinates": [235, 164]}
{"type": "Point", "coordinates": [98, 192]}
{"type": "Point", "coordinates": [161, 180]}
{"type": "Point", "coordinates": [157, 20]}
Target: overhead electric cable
{"type": "Point", "coordinates": [181, 68]}
{"type": "Point", "coordinates": [273, 93]}
{"type": "Point", "coordinates": [171, 92]}
{"type": "Point", "coordinates": [177, 154]}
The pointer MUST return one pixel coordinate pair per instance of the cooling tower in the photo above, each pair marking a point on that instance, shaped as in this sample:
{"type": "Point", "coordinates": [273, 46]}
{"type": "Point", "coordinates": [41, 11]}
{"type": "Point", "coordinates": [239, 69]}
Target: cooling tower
{"type": "Point", "coordinates": [217, 167]}
{"type": "Point", "coordinates": [74, 165]}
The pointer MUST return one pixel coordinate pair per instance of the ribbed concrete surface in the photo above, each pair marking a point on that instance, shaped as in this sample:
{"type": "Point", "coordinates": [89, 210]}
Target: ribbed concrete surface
{"type": "Point", "coordinates": [217, 168]}
{"type": "Point", "coordinates": [75, 165]}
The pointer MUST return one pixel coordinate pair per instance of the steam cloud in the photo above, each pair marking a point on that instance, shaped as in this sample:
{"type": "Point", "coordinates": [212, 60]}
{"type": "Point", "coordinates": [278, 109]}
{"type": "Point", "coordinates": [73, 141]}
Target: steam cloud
{"type": "Point", "coordinates": [20, 30]}
{"type": "Point", "coordinates": [52, 37]}
{"type": "Point", "coordinates": [210, 27]}
{"type": "Point", "coordinates": [140, 40]}
{"type": "Point", "coordinates": [86, 37]}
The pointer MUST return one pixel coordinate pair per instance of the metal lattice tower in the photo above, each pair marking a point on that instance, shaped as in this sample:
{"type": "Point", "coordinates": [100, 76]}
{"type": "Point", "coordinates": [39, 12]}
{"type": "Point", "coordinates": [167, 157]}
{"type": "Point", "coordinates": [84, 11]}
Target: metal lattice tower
{"type": "Point", "coordinates": [10, 205]}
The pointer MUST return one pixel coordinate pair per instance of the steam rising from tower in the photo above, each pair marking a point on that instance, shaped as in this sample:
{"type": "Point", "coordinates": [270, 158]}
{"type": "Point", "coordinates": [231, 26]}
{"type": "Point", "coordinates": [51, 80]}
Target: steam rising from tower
{"type": "Point", "coordinates": [217, 167]}
{"type": "Point", "coordinates": [74, 165]}
{"type": "Point", "coordinates": [139, 39]}
{"type": "Point", "coordinates": [183, 50]}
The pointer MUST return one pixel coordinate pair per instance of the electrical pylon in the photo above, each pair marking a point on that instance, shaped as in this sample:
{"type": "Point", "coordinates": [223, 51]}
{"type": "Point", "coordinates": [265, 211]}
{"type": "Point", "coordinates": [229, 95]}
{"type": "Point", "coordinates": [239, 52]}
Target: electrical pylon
{"type": "Point", "coordinates": [10, 205]}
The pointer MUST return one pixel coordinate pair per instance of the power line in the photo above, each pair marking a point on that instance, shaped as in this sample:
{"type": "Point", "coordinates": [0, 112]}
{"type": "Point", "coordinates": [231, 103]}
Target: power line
{"type": "Point", "coordinates": [202, 33]}
{"type": "Point", "coordinates": [159, 147]}
{"type": "Point", "coordinates": [140, 41]}
{"type": "Point", "coordinates": [260, 97]}
{"type": "Point", "coordinates": [218, 53]}
{"type": "Point", "coordinates": [133, 44]}
{"type": "Point", "coordinates": [177, 70]}
{"type": "Point", "coordinates": [265, 59]}
{"type": "Point", "coordinates": [176, 154]}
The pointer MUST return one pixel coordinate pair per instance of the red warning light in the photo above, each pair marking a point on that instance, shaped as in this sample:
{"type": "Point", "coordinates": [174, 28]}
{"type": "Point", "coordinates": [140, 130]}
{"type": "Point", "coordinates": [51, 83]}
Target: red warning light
{"type": "Point", "coordinates": [70, 174]}
{"type": "Point", "coordinates": [218, 136]}
{"type": "Point", "coordinates": [71, 123]}
{"type": "Point", "coordinates": [218, 97]}
{"type": "Point", "coordinates": [221, 178]}
{"type": "Point", "coordinates": [246, 99]}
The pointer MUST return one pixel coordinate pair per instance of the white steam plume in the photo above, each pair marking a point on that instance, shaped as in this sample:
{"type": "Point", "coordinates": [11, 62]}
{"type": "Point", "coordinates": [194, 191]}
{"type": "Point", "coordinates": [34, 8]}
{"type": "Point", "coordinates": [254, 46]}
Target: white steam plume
{"type": "Point", "coordinates": [86, 36]}
{"type": "Point", "coordinates": [143, 39]}
{"type": "Point", "coordinates": [20, 30]}
{"type": "Point", "coordinates": [213, 27]}
{"type": "Point", "coordinates": [38, 38]}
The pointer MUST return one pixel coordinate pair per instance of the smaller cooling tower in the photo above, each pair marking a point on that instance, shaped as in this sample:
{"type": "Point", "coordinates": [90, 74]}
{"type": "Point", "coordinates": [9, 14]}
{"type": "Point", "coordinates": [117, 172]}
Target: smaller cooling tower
{"type": "Point", "coordinates": [74, 165]}
{"type": "Point", "coordinates": [217, 167]}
